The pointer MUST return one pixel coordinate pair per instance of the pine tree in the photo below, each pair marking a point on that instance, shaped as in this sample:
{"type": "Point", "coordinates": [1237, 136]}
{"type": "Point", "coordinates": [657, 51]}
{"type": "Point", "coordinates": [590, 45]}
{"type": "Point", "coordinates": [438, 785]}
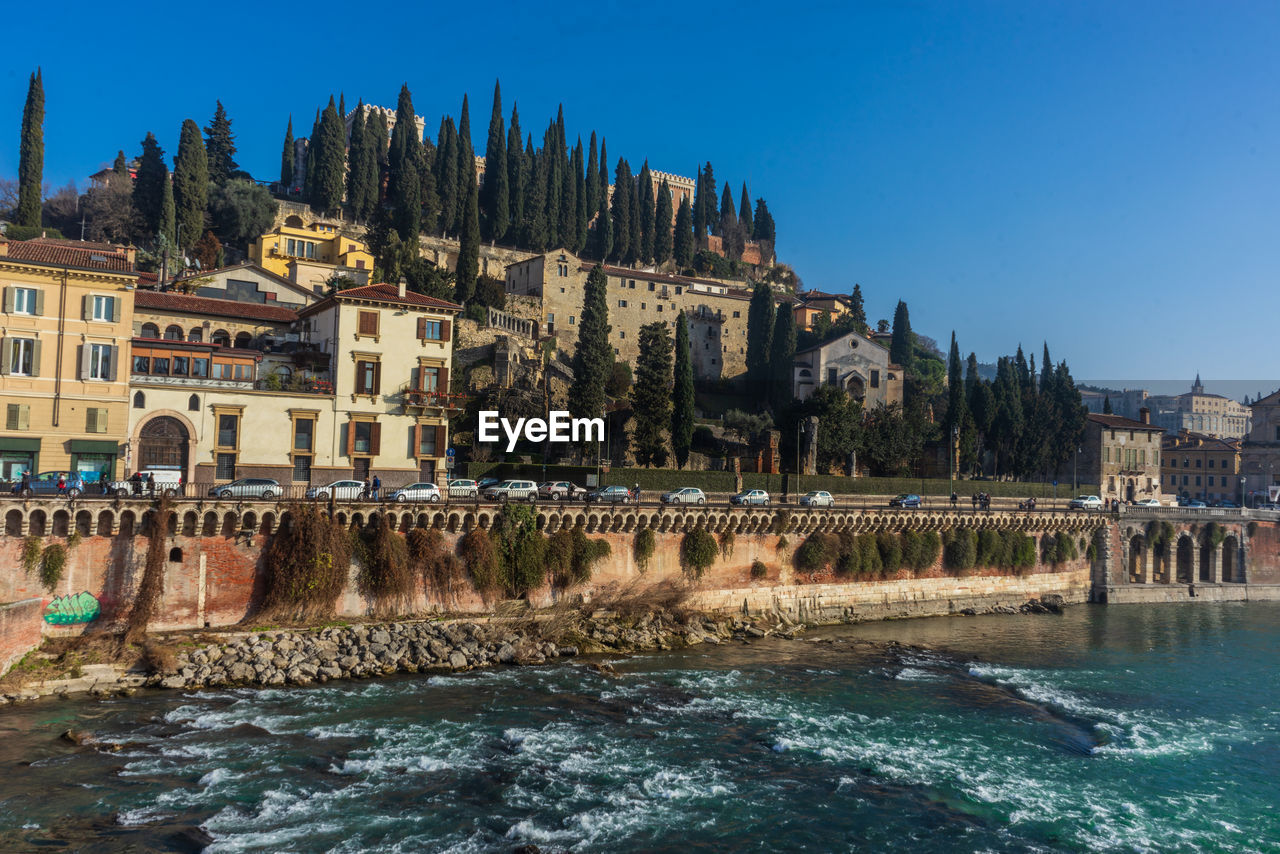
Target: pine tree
{"type": "Point", "coordinates": [330, 162]}
{"type": "Point", "coordinates": [744, 213]}
{"type": "Point", "coordinates": [404, 186]}
{"type": "Point", "coordinates": [760, 322]}
{"type": "Point", "coordinates": [466, 165]}
{"type": "Point", "coordinates": [220, 145]}
{"type": "Point", "coordinates": [148, 187]}
{"type": "Point", "coordinates": [31, 155]}
{"type": "Point", "coordinates": [447, 175]}
{"type": "Point", "coordinates": [699, 211]}
{"type": "Point", "coordinates": [497, 193]}
{"type": "Point", "coordinates": [358, 156]}
{"type": "Point", "coordinates": [682, 240]}
{"type": "Point", "coordinates": [593, 358]}
{"type": "Point", "coordinates": [858, 311]}
{"type": "Point", "coordinates": [902, 345]}
{"type": "Point", "coordinates": [782, 356]}
{"type": "Point", "coordinates": [623, 186]}
{"type": "Point", "coordinates": [646, 208]}
{"type": "Point", "coordinates": [682, 398]}
{"type": "Point", "coordinates": [190, 185]}
{"type": "Point", "coordinates": [468, 243]}
{"type": "Point", "coordinates": [651, 395]}
{"type": "Point", "coordinates": [662, 246]}
{"type": "Point", "coordinates": [286, 159]}
{"type": "Point", "coordinates": [593, 177]}
{"type": "Point", "coordinates": [168, 224]}
{"type": "Point", "coordinates": [517, 179]}
{"type": "Point", "coordinates": [764, 231]}
{"type": "Point", "coordinates": [121, 166]}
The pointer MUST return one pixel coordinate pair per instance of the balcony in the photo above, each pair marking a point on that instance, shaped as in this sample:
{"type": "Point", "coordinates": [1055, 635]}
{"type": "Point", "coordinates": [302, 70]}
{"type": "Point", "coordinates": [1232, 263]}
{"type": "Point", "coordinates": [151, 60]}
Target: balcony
{"type": "Point", "coordinates": [432, 399]}
{"type": "Point", "coordinates": [295, 385]}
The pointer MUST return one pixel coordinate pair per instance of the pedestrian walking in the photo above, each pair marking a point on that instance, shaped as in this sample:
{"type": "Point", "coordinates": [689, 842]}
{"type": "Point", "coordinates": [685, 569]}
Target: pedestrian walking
{"type": "Point", "coordinates": [954, 498]}
{"type": "Point", "coordinates": [377, 487]}
{"type": "Point", "coordinates": [636, 493]}
{"type": "Point", "coordinates": [364, 490]}
{"type": "Point", "coordinates": [26, 482]}
{"type": "Point", "coordinates": [135, 481]}
{"type": "Point", "coordinates": [104, 482]}
{"type": "Point", "coordinates": [62, 484]}
{"type": "Point", "coordinates": [151, 484]}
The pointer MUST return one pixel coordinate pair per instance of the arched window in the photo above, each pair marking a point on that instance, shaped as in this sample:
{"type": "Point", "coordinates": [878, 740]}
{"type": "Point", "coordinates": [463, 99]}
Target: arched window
{"type": "Point", "coordinates": [193, 403]}
{"type": "Point", "coordinates": [222, 338]}
{"type": "Point", "coordinates": [196, 334]}
{"type": "Point", "coordinates": [150, 330]}
{"type": "Point", "coordinates": [243, 339]}
{"type": "Point", "coordinates": [139, 400]}
{"type": "Point", "coordinates": [173, 333]}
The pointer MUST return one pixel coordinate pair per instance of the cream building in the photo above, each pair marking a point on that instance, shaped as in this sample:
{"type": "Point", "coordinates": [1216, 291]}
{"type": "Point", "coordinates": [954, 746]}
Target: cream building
{"type": "Point", "coordinates": [68, 316]}
{"type": "Point", "coordinates": [1122, 456]}
{"type": "Point", "coordinates": [856, 364]}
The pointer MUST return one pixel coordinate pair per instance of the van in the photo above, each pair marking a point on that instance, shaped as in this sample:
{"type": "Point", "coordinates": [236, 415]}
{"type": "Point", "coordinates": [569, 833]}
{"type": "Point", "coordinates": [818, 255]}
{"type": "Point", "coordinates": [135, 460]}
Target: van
{"type": "Point", "coordinates": [168, 482]}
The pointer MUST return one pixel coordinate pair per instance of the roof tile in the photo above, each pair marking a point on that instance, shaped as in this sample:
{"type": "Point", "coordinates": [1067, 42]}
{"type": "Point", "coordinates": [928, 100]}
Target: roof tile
{"type": "Point", "coordinates": [170, 301]}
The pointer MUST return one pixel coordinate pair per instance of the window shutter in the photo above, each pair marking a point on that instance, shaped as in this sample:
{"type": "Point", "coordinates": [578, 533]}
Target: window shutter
{"type": "Point", "coordinates": [377, 378]}
{"type": "Point", "coordinates": [444, 329]}
{"type": "Point", "coordinates": [86, 307]}
{"type": "Point", "coordinates": [351, 438]}
{"type": "Point", "coordinates": [114, 357]}
{"type": "Point", "coordinates": [35, 358]}
{"type": "Point", "coordinates": [85, 351]}
{"type": "Point", "coordinates": [359, 377]}
{"type": "Point", "coordinates": [440, 440]}
{"type": "Point", "coordinates": [91, 420]}
{"type": "Point", "coordinates": [10, 295]}
{"type": "Point", "coordinates": [111, 309]}
{"type": "Point", "coordinates": [375, 439]}
{"type": "Point", "coordinates": [11, 416]}
{"type": "Point", "coordinates": [442, 382]}
{"type": "Point", "coordinates": [6, 350]}
{"type": "Point", "coordinates": [422, 326]}
{"type": "Point", "coordinates": [415, 434]}
{"type": "Point", "coordinates": [40, 302]}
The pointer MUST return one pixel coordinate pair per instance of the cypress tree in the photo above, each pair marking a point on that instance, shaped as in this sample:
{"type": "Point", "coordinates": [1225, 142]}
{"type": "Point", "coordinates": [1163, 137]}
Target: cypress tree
{"type": "Point", "coordinates": [1106, 405]}
{"type": "Point", "coordinates": [682, 399]}
{"type": "Point", "coordinates": [497, 192]}
{"type": "Point", "coordinates": [567, 216]}
{"type": "Point", "coordinates": [168, 224]}
{"type": "Point", "coordinates": [710, 214]}
{"type": "Point", "coordinates": [220, 144]}
{"type": "Point", "coordinates": [662, 225]}
{"type": "Point", "coordinates": [744, 213]}
{"type": "Point", "coordinates": [447, 175]}
{"type": "Point", "coordinates": [593, 177]}
{"type": "Point", "coordinates": [550, 168]}
{"type": "Point", "coordinates": [760, 322]}
{"type": "Point", "coordinates": [645, 208]}
{"type": "Point", "coordinates": [309, 163]}
{"type": "Point", "coordinates": [466, 165]}
{"type": "Point", "coordinates": [604, 170]}
{"type": "Point", "coordinates": [516, 175]}
{"type": "Point", "coordinates": [602, 234]}
{"type": "Point", "coordinates": [535, 203]}
{"type": "Point", "coordinates": [468, 244]}
{"type": "Point", "coordinates": [581, 213]}
{"type": "Point", "coordinates": [621, 210]}
{"type": "Point", "coordinates": [286, 158]}
{"type": "Point", "coordinates": [699, 210]}
{"type": "Point", "coordinates": [782, 354]}
{"type": "Point", "coordinates": [329, 161]}
{"type": "Point", "coordinates": [682, 240]}
{"type": "Point", "coordinates": [404, 185]}
{"type": "Point", "coordinates": [427, 183]}
{"type": "Point", "coordinates": [957, 408]}
{"type": "Point", "coordinates": [764, 222]}
{"type": "Point", "coordinates": [342, 106]}
{"type": "Point", "coordinates": [651, 395]}
{"type": "Point", "coordinates": [858, 311]}
{"type": "Point", "coordinates": [121, 166]}
{"type": "Point", "coordinates": [148, 187]}
{"type": "Point", "coordinates": [728, 219]}
{"type": "Point", "coordinates": [902, 344]}
{"type": "Point", "coordinates": [380, 145]}
{"type": "Point", "coordinates": [190, 184]}
{"type": "Point", "coordinates": [358, 154]}
{"type": "Point", "coordinates": [634, 244]}
{"type": "Point", "coordinates": [31, 155]}
{"type": "Point", "coordinates": [593, 358]}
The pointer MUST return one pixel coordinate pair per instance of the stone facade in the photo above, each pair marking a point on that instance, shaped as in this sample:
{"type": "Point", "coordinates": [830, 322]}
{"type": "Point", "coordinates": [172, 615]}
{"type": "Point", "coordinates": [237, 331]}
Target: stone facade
{"type": "Point", "coordinates": [851, 362]}
{"type": "Point", "coordinates": [1122, 456]}
{"type": "Point", "coordinates": [1194, 465]}
{"type": "Point", "coordinates": [1260, 451]}
{"type": "Point", "coordinates": [1194, 411]}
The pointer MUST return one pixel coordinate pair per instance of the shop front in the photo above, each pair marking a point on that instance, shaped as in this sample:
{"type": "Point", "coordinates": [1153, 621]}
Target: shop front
{"type": "Point", "coordinates": [90, 458]}
{"type": "Point", "coordinates": [18, 455]}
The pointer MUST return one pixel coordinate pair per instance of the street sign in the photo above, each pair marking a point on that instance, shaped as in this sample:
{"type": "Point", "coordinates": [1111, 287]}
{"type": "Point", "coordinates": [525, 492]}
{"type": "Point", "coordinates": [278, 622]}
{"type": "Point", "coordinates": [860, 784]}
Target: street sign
{"type": "Point", "coordinates": [449, 453]}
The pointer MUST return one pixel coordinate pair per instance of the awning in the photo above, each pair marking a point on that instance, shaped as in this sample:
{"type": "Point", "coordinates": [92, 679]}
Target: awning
{"type": "Point", "coordinates": [10, 443]}
{"type": "Point", "coordinates": [94, 446]}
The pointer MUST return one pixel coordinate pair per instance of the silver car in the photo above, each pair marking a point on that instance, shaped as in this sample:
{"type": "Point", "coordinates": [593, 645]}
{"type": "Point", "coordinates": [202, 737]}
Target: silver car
{"type": "Point", "coordinates": [463, 488]}
{"type": "Point", "coordinates": [686, 495]}
{"type": "Point", "coordinates": [340, 490]}
{"type": "Point", "coordinates": [513, 490]}
{"type": "Point", "coordinates": [424, 491]}
{"type": "Point", "coordinates": [817, 498]}
{"type": "Point", "coordinates": [757, 497]}
{"type": "Point", "coordinates": [248, 487]}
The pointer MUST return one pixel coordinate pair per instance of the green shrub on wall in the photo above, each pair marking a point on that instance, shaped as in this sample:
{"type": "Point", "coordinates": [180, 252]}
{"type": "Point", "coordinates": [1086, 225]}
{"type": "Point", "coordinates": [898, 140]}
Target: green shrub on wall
{"type": "Point", "coordinates": [758, 569]}
{"type": "Point", "coordinates": [481, 560]}
{"type": "Point", "coordinates": [646, 545]}
{"type": "Point", "coordinates": [814, 554]}
{"type": "Point", "coordinates": [698, 551]}
{"type": "Point", "coordinates": [385, 574]}
{"type": "Point", "coordinates": [31, 548]}
{"type": "Point", "coordinates": [961, 552]}
{"type": "Point", "coordinates": [1066, 547]}
{"type": "Point", "coordinates": [306, 564]}
{"type": "Point", "coordinates": [890, 546]}
{"type": "Point", "coordinates": [727, 539]}
{"type": "Point", "coordinates": [52, 563]}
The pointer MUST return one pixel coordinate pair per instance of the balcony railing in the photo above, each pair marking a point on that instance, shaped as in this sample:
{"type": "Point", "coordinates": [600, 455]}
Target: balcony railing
{"type": "Point", "coordinates": [303, 386]}
{"type": "Point", "coordinates": [440, 399]}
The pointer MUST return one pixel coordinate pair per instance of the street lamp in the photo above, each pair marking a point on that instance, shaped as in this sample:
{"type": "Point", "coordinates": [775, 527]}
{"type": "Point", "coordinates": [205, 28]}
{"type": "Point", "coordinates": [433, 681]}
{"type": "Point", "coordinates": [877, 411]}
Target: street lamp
{"type": "Point", "coordinates": [955, 438]}
{"type": "Point", "coordinates": [799, 465]}
{"type": "Point", "coordinates": [1243, 503]}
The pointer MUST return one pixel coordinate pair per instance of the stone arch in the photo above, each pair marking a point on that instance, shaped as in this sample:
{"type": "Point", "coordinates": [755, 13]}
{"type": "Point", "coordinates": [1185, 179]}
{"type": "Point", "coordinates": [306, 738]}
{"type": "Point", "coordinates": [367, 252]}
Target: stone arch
{"type": "Point", "coordinates": [249, 522]}
{"type": "Point", "coordinates": [437, 522]}
{"type": "Point", "coordinates": [149, 330]}
{"type": "Point", "coordinates": [268, 525]}
{"type": "Point", "coordinates": [210, 526]}
{"type": "Point", "coordinates": [221, 337]}
{"type": "Point", "coordinates": [190, 520]}
{"type": "Point", "coordinates": [1184, 560]}
{"type": "Point", "coordinates": [61, 523]}
{"type": "Point", "coordinates": [165, 438]}
{"type": "Point", "coordinates": [172, 525]}
{"type": "Point", "coordinates": [1231, 559]}
{"type": "Point", "coordinates": [1207, 555]}
{"type": "Point", "coordinates": [229, 526]}
{"type": "Point", "coordinates": [342, 519]}
{"type": "Point", "coordinates": [13, 523]}
{"type": "Point", "coordinates": [173, 332]}
{"type": "Point", "coordinates": [128, 523]}
{"type": "Point", "coordinates": [196, 335]}
{"type": "Point", "coordinates": [453, 522]}
{"type": "Point", "coordinates": [175, 555]}
{"type": "Point", "coordinates": [294, 221]}
{"type": "Point", "coordinates": [139, 400]}
{"type": "Point", "coordinates": [243, 340]}
{"type": "Point", "coordinates": [106, 523]}
{"type": "Point", "coordinates": [84, 523]}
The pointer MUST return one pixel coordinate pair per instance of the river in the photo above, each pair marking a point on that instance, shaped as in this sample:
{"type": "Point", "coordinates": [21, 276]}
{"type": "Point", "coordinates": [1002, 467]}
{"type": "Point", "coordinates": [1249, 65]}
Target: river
{"type": "Point", "coordinates": [1128, 728]}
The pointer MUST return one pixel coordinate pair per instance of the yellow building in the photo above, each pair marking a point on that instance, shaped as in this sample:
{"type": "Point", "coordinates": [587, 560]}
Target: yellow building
{"type": "Point", "coordinates": [311, 254]}
{"type": "Point", "coordinates": [68, 318]}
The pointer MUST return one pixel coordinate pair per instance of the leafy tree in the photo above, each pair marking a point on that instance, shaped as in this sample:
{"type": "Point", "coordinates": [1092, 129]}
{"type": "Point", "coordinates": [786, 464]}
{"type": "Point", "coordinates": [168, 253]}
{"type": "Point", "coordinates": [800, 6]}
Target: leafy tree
{"type": "Point", "coordinates": [760, 322]}
{"type": "Point", "coordinates": [888, 444]}
{"type": "Point", "coordinates": [744, 213]}
{"type": "Point", "coordinates": [190, 184]}
{"type": "Point", "coordinates": [208, 251]}
{"type": "Point", "coordinates": [330, 162]}
{"type": "Point", "coordinates": [682, 400]}
{"type": "Point", "coordinates": [646, 214]}
{"type": "Point", "coordinates": [651, 400]}
{"type": "Point", "coordinates": [240, 211]}
{"type": "Point", "coordinates": [521, 549]}
{"type": "Point", "coordinates": [497, 191]}
{"type": "Point", "coordinates": [623, 187]}
{"type": "Point", "coordinates": [683, 240]}
{"type": "Point", "coordinates": [618, 386]}
{"type": "Point", "coordinates": [31, 155]}
{"type": "Point", "coordinates": [662, 225]}
{"type": "Point", "coordinates": [220, 144]}
{"type": "Point", "coordinates": [902, 345]}
{"type": "Point", "coordinates": [469, 242]}
{"type": "Point", "coordinates": [286, 158]}
{"type": "Point", "coordinates": [839, 417]}
{"type": "Point", "coordinates": [593, 359]}
{"type": "Point", "coordinates": [782, 354]}
{"type": "Point", "coordinates": [404, 186]}
{"type": "Point", "coordinates": [108, 208]}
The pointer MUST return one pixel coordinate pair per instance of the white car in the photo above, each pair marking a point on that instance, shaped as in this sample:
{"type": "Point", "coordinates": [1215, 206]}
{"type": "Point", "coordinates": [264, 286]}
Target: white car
{"type": "Point", "coordinates": [754, 496]}
{"type": "Point", "coordinates": [463, 488]}
{"type": "Point", "coordinates": [512, 490]}
{"type": "Point", "coordinates": [818, 498]}
{"type": "Point", "coordinates": [1085, 502]}
{"type": "Point", "coordinates": [417, 492]}
{"type": "Point", "coordinates": [340, 490]}
{"type": "Point", "coordinates": [687, 495]}
{"type": "Point", "coordinates": [1148, 502]}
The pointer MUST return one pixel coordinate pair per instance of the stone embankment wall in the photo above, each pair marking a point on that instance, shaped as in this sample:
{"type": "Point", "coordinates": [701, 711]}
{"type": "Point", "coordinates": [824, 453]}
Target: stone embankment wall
{"type": "Point", "coordinates": [21, 625]}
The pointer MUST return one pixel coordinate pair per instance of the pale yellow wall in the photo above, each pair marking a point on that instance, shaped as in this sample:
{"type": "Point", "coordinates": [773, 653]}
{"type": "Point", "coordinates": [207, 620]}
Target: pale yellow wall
{"type": "Point", "coordinates": [333, 249]}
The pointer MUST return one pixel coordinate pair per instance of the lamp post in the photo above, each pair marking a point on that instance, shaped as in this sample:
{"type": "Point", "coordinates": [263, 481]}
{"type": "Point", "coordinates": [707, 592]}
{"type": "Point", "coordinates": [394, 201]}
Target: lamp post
{"type": "Point", "coordinates": [799, 465]}
{"type": "Point", "coordinates": [955, 438]}
{"type": "Point", "coordinates": [1243, 503]}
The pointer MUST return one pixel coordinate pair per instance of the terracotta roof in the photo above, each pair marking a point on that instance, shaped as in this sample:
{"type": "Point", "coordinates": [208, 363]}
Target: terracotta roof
{"type": "Point", "coordinates": [68, 253]}
{"type": "Point", "coordinates": [391, 293]}
{"type": "Point", "coordinates": [184, 303]}
{"type": "Point", "coordinates": [739, 290]}
{"type": "Point", "coordinates": [1119, 421]}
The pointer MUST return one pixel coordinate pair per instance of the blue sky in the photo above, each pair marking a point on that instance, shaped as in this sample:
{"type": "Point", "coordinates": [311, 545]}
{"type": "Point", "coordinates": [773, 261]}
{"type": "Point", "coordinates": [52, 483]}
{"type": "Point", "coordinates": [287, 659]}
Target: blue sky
{"type": "Point", "coordinates": [1101, 175]}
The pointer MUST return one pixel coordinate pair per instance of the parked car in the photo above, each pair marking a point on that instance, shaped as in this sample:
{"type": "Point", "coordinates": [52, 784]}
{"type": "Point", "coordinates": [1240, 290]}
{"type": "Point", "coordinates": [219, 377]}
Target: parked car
{"type": "Point", "coordinates": [686, 495]}
{"type": "Point", "coordinates": [1085, 502]}
{"type": "Point", "coordinates": [168, 482]}
{"type": "Point", "coordinates": [247, 487]}
{"type": "Point", "coordinates": [1148, 502]}
{"type": "Point", "coordinates": [610, 495]}
{"type": "Point", "coordinates": [339, 490]}
{"type": "Point", "coordinates": [486, 482]}
{"type": "Point", "coordinates": [905, 500]}
{"type": "Point", "coordinates": [817, 498]}
{"type": "Point", "coordinates": [424, 491]}
{"type": "Point", "coordinates": [1195, 503]}
{"type": "Point", "coordinates": [753, 496]}
{"type": "Point", "coordinates": [46, 483]}
{"type": "Point", "coordinates": [512, 490]}
{"type": "Point", "coordinates": [463, 488]}
{"type": "Point", "coordinates": [560, 490]}
{"type": "Point", "coordinates": [1225, 503]}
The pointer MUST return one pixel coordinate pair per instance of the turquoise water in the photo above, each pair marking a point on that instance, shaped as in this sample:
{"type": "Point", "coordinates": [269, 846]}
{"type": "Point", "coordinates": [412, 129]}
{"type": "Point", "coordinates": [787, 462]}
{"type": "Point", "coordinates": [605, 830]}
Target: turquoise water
{"type": "Point", "coordinates": [1139, 728]}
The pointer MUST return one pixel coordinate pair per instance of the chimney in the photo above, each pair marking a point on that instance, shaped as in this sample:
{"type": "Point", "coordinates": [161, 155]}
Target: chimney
{"type": "Point", "coordinates": [400, 288]}
{"type": "Point", "coordinates": [1144, 415]}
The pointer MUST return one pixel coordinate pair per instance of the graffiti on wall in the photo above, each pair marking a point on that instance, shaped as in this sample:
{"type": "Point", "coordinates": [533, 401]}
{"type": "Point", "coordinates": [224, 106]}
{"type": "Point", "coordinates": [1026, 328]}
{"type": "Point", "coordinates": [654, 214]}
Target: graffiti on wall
{"type": "Point", "coordinates": [68, 610]}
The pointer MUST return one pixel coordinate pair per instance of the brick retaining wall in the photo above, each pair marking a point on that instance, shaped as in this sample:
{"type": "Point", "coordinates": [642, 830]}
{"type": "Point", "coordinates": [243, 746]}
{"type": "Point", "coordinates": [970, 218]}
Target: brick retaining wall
{"type": "Point", "coordinates": [21, 629]}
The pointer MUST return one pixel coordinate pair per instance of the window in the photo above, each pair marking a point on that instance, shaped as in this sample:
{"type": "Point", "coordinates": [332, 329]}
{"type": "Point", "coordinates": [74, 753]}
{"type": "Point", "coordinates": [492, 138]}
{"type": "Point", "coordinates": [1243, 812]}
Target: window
{"type": "Point", "coordinates": [303, 432]}
{"type": "Point", "coordinates": [139, 400]}
{"type": "Point", "coordinates": [228, 430]}
{"type": "Point", "coordinates": [17, 416]}
{"type": "Point", "coordinates": [193, 403]}
{"type": "Point", "coordinates": [173, 333]}
{"type": "Point", "coordinates": [100, 362]}
{"type": "Point", "coordinates": [875, 379]}
{"type": "Point", "coordinates": [20, 356]}
{"type": "Point", "coordinates": [225, 468]}
{"type": "Point", "coordinates": [368, 375]}
{"type": "Point", "coordinates": [160, 367]}
{"type": "Point", "coordinates": [221, 371]}
{"type": "Point", "coordinates": [571, 320]}
{"type": "Point", "coordinates": [1198, 463]}
{"type": "Point", "coordinates": [429, 330]}
{"type": "Point", "coordinates": [427, 440]}
{"type": "Point", "coordinates": [651, 286]}
{"type": "Point", "coordinates": [551, 318]}
{"type": "Point", "coordinates": [180, 366]}
{"type": "Point", "coordinates": [1210, 463]}
{"type": "Point", "coordinates": [659, 307]}
{"type": "Point", "coordinates": [1197, 480]}
{"type": "Point", "coordinates": [25, 301]}
{"type": "Point", "coordinates": [363, 441]}
{"type": "Point", "coordinates": [1211, 480]}
{"type": "Point", "coordinates": [368, 322]}
{"type": "Point", "coordinates": [679, 290]}
{"type": "Point", "coordinates": [302, 467]}
{"type": "Point", "coordinates": [622, 303]}
{"type": "Point", "coordinates": [199, 367]}
{"type": "Point", "coordinates": [141, 365]}
{"type": "Point", "coordinates": [737, 314]}
{"type": "Point", "coordinates": [430, 379]}
{"type": "Point", "coordinates": [103, 308]}
{"type": "Point", "coordinates": [244, 372]}
{"type": "Point", "coordinates": [632, 284]}
{"type": "Point", "coordinates": [196, 335]}
{"type": "Point", "coordinates": [643, 306]}
{"type": "Point", "coordinates": [95, 420]}
{"type": "Point", "coordinates": [222, 338]}
{"type": "Point", "coordinates": [832, 376]}
{"type": "Point", "coordinates": [622, 333]}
